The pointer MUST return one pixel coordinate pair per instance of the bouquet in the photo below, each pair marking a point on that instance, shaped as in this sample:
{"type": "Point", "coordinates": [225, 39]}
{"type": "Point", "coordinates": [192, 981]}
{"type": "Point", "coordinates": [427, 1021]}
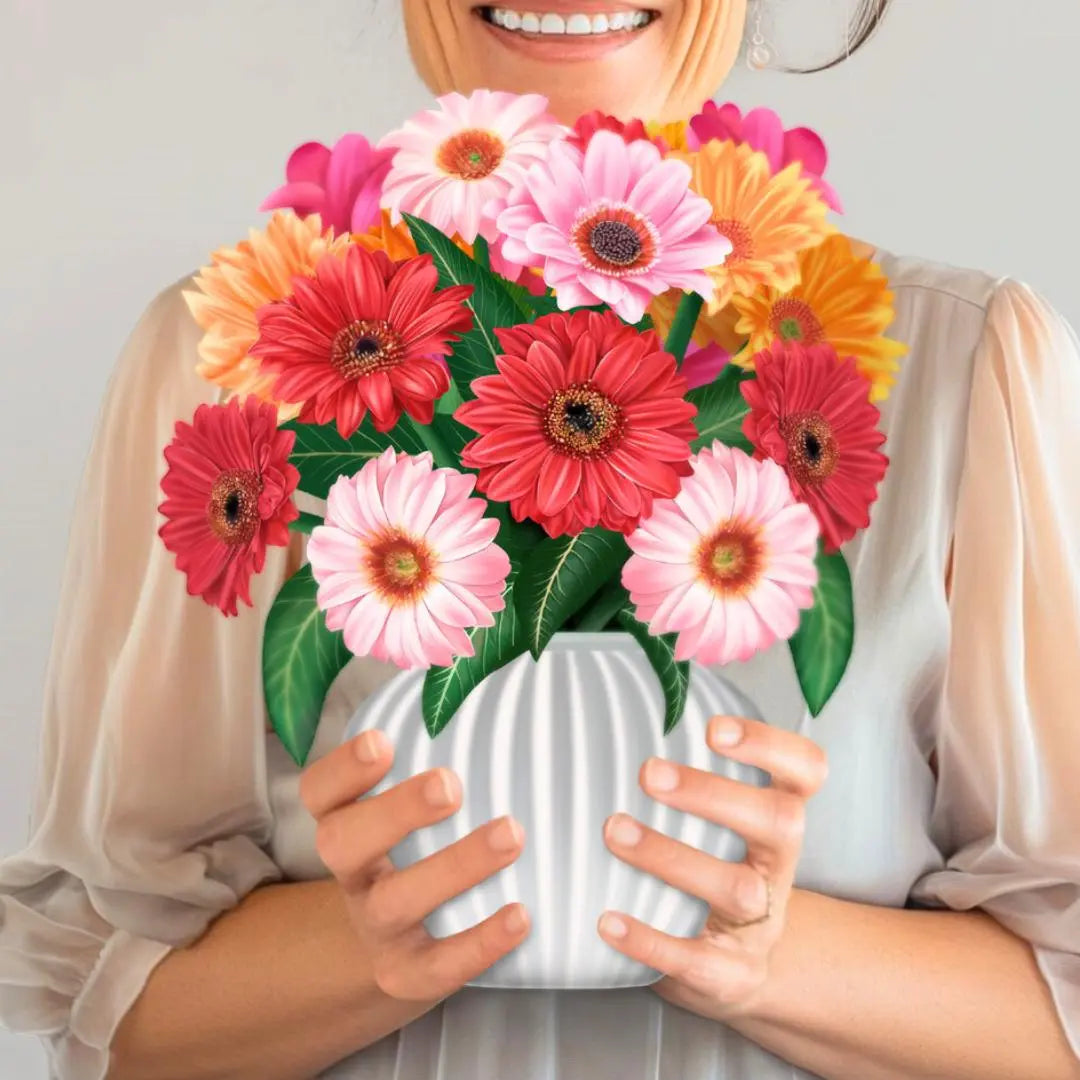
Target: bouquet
{"type": "Point", "coordinates": [615, 376]}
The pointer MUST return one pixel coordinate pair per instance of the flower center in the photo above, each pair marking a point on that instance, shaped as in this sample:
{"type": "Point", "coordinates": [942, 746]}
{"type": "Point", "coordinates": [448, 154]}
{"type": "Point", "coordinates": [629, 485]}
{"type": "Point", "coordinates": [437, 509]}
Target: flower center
{"type": "Point", "coordinates": [730, 560]}
{"type": "Point", "coordinates": [742, 239]}
{"type": "Point", "coordinates": [812, 448]}
{"type": "Point", "coordinates": [614, 239]}
{"type": "Point", "coordinates": [794, 320]}
{"type": "Point", "coordinates": [471, 154]}
{"type": "Point", "coordinates": [364, 347]}
{"type": "Point", "coordinates": [581, 422]}
{"type": "Point", "coordinates": [233, 512]}
{"type": "Point", "coordinates": [400, 567]}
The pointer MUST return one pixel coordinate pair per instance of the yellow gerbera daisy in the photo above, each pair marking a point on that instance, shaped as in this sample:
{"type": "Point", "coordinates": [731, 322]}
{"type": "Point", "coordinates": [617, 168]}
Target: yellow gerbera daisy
{"type": "Point", "coordinates": [674, 134]}
{"type": "Point", "coordinates": [718, 328]}
{"type": "Point", "coordinates": [769, 219]}
{"type": "Point", "coordinates": [242, 279]}
{"type": "Point", "coordinates": [840, 298]}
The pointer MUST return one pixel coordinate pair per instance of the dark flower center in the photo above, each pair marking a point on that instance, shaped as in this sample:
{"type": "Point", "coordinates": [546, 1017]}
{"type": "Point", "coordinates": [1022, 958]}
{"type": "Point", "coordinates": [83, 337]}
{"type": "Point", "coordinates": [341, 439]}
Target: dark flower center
{"type": "Point", "coordinates": [742, 239]}
{"type": "Point", "coordinates": [794, 320]}
{"type": "Point", "coordinates": [233, 510]}
{"type": "Point", "coordinates": [813, 452]}
{"type": "Point", "coordinates": [471, 154]}
{"type": "Point", "coordinates": [614, 239]}
{"type": "Point", "coordinates": [579, 416]}
{"type": "Point", "coordinates": [364, 347]}
{"type": "Point", "coordinates": [579, 421]}
{"type": "Point", "coordinates": [731, 559]}
{"type": "Point", "coordinates": [615, 242]}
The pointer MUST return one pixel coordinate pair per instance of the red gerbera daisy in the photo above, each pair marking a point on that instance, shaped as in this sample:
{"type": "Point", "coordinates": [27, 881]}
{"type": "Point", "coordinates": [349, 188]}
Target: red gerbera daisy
{"type": "Point", "coordinates": [810, 412]}
{"type": "Point", "coordinates": [363, 333]}
{"type": "Point", "coordinates": [585, 424]}
{"type": "Point", "coordinates": [228, 496]}
{"type": "Point", "coordinates": [588, 124]}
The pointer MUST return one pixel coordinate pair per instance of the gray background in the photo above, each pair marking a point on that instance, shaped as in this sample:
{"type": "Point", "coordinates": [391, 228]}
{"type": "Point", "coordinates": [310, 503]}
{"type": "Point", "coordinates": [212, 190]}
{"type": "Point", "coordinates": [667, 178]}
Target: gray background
{"type": "Point", "coordinates": [138, 135]}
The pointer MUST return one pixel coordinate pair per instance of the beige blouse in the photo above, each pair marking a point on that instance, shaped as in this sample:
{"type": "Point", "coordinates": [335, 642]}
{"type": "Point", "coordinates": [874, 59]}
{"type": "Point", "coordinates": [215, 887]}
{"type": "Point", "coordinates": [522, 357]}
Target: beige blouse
{"type": "Point", "coordinates": [153, 811]}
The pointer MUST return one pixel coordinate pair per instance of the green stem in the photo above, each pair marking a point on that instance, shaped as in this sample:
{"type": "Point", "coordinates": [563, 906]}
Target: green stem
{"type": "Point", "coordinates": [449, 402]}
{"type": "Point", "coordinates": [682, 327]}
{"type": "Point", "coordinates": [604, 607]}
{"type": "Point", "coordinates": [305, 522]}
{"type": "Point", "coordinates": [443, 455]}
{"type": "Point", "coordinates": [481, 256]}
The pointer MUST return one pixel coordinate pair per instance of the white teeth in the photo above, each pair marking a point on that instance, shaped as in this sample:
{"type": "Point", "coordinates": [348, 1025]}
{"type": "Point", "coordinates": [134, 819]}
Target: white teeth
{"type": "Point", "coordinates": [529, 22]}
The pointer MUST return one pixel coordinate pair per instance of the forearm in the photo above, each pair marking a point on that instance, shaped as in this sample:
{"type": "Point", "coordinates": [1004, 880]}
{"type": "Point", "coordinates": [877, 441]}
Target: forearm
{"type": "Point", "coordinates": [276, 989]}
{"type": "Point", "coordinates": [895, 994]}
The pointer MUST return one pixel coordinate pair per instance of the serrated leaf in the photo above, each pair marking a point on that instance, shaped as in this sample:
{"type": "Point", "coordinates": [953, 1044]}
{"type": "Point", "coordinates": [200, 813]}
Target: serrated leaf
{"type": "Point", "coordinates": [300, 659]}
{"type": "Point", "coordinates": [674, 675]}
{"type": "Point", "coordinates": [322, 455]}
{"type": "Point", "coordinates": [821, 647]}
{"type": "Point", "coordinates": [492, 306]}
{"type": "Point", "coordinates": [721, 410]}
{"type": "Point", "coordinates": [560, 576]}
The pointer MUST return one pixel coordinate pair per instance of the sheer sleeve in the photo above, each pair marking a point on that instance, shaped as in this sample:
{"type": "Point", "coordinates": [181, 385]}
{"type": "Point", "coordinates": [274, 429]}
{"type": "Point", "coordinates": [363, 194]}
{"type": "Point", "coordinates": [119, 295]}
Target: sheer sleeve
{"type": "Point", "coordinates": [1007, 811]}
{"type": "Point", "coordinates": [151, 815]}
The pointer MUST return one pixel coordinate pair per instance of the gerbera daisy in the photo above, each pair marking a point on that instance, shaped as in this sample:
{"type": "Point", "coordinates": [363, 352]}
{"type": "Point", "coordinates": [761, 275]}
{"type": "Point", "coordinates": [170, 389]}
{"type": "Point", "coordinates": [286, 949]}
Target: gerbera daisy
{"type": "Point", "coordinates": [810, 413]}
{"type": "Point", "coordinates": [239, 281]}
{"type": "Point", "coordinates": [342, 184]}
{"type": "Point", "coordinates": [452, 160]}
{"type": "Point", "coordinates": [363, 334]}
{"type": "Point", "coordinates": [228, 496]}
{"type": "Point", "coordinates": [406, 562]}
{"type": "Point", "coordinates": [615, 224]}
{"type": "Point", "coordinates": [584, 425]}
{"type": "Point", "coordinates": [768, 219]}
{"type": "Point", "coordinates": [728, 564]}
{"type": "Point", "coordinates": [587, 125]}
{"type": "Point", "coordinates": [840, 298]}
{"type": "Point", "coordinates": [762, 129]}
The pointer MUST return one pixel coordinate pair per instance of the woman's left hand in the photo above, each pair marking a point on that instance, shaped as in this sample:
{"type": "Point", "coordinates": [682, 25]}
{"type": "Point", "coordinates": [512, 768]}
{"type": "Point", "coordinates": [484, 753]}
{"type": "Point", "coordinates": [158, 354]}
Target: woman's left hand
{"type": "Point", "coordinates": [721, 972]}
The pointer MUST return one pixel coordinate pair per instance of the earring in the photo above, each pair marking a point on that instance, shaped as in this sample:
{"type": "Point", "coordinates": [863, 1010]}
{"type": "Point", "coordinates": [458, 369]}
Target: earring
{"type": "Point", "coordinates": [759, 53]}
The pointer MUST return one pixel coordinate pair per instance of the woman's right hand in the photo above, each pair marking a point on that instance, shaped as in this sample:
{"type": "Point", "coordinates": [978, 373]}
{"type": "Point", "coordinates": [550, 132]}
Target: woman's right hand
{"type": "Point", "coordinates": [387, 905]}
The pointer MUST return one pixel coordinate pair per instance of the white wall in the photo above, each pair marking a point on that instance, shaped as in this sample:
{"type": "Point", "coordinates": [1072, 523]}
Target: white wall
{"type": "Point", "coordinates": [137, 135]}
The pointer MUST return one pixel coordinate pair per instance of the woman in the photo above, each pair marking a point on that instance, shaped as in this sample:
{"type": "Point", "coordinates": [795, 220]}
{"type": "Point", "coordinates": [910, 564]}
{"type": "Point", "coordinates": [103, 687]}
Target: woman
{"type": "Point", "coordinates": [173, 917]}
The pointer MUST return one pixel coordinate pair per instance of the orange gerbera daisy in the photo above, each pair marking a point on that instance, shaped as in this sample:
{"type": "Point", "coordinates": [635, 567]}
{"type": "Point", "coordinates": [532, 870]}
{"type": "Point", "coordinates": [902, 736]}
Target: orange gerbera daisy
{"type": "Point", "coordinates": [242, 279]}
{"type": "Point", "coordinates": [716, 329]}
{"type": "Point", "coordinates": [841, 298]}
{"type": "Point", "coordinates": [768, 219]}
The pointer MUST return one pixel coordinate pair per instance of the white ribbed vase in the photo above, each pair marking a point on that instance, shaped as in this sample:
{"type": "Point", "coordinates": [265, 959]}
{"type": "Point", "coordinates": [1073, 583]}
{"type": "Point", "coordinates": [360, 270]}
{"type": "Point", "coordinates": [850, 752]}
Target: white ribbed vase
{"type": "Point", "coordinates": [559, 743]}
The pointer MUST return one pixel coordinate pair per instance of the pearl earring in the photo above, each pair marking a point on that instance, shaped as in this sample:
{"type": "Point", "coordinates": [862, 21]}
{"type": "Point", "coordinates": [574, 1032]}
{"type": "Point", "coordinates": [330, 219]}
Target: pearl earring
{"type": "Point", "coordinates": [759, 53]}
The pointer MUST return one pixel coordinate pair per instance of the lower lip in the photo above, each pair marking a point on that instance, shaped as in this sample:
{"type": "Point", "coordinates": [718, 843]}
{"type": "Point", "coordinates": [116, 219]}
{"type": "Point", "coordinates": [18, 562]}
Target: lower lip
{"type": "Point", "coordinates": [565, 46]}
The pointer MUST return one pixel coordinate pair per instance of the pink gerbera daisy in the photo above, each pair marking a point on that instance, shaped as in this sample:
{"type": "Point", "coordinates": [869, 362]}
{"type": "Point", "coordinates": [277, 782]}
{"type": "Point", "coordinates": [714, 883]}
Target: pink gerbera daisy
{"type": "Point", "coordinates": [451, 160]}
{"type": "Point", "coordinates": [728, 564]}
{"type": "Point", "coordinates": [406, 562]}
{"type": "Point", "coordinates": [584, 425]}
{"type": "Point", "coordinates": [228, 496]}
{"type": "Point", "coordinates": [810, 412]}
{"type": "Point", "coordinates": [363, 334]}
{"type": "Point", "coordinates": [613, 224]}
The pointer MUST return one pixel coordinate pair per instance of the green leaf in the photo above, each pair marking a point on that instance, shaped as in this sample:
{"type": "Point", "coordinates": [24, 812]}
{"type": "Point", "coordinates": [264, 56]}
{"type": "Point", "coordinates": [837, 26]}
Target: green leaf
{"type": "Point", "coordinates": [674, 675]}
{"type": "Point", "coordinates": [721, 409]}
{"type": "Point", "coordinates": [322, 455]}
{"type": "Point", "coordinates": [491, 304]}
{"type": "Point", "coordinates": [821, 647]}
{"type": "Point", "coordinates": [300, 659]}
{"type": "Point", "coordinates": [560, 576]}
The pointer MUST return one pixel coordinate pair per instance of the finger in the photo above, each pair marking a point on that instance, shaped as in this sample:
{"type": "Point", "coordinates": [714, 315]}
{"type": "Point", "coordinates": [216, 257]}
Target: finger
{"type": "Point", "coordinates": [350, 839]}
{"type": "Point", "coordinates": [347, 772]}
{"type": "Point", "coordinates": [735, 890]}
{"type": "Point", "coordinates": [794, 762]}
{"type": "Point", "coordinates": [441, 966]}
{"type": "Point", "coordinates": [724, 973]}
{"type": "Point", "coordinates": [405, 898]}
{"type": "Point", "coordinates": [771, 821]}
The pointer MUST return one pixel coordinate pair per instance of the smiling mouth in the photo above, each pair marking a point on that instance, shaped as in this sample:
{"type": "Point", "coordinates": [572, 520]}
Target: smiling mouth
{"type": "Point", "coordinates": [549, 24]}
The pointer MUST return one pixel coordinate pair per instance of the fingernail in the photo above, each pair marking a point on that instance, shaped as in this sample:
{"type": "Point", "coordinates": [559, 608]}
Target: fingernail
{"type": "Point", "coordinates": [369, 746]}
{"type": "Point", "coordinates": [726, 731]}
{"type": "Point", "coordinates": [506, 835]}
{"type": "Point", "coordinates": [515, 920]}
{"type": "Point", "coordinates": [661, 775]}
{"type": "Point", "coordinates": [613, 926]}
{"type": "Point", "coordinates": [440, 789]}
{"type": "Point", "coordinates": [625, 831]}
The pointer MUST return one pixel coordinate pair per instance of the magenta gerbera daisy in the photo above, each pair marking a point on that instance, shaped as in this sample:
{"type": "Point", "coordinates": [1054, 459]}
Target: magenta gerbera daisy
{"type": "Point", "coordinates": [406, 562]}
{"type": "Point", "coordinates": [363, 333]}
{"type": "Point", "coordinates": [228, 496]}
{"type": "Point", "coordinates": [810, 412]}
{"type": "Point", "coordinates": [728, 564]}
{"type": "Point", "coordinates": [450, 161]}
{"type": "Point", "coordinates": [615, 224]}
{"type": "Point", "coordinates": [585, 424]}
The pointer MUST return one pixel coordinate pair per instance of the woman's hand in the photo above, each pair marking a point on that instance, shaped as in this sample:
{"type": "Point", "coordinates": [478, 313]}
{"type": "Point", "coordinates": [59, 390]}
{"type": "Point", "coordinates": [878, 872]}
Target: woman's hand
{"type": "Point", "coordinates": [387, 906]}
{"type": "Point", "coordinates": [721, 972]}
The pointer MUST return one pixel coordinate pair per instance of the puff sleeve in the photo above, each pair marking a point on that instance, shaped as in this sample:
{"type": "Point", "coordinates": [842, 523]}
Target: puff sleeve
{"type": "Point", "coordinates": [1007, 810]}
{"type": "Point", "coordinates": [151, 814]}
